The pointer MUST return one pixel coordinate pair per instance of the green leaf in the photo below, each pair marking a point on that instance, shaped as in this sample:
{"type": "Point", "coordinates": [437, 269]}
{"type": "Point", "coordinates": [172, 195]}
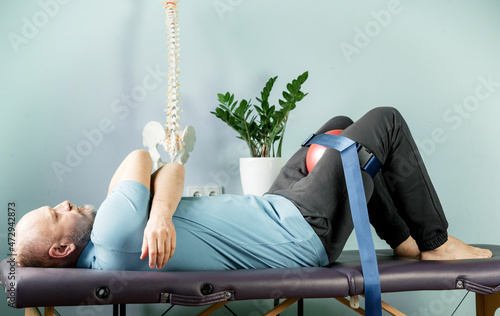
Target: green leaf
{"type": "Point", "coordinates": [293, 87]}
{"type": "Point", "coordinates": [266, 91]}
{"type": "Point", "coordinates": [287, 96]}
{"type": "Point", "coordinates": [233, 105]}
{"type": "Point", "coordinates": [259, 109]}
{"type": "Point", "coordinates": [302, 78]}
{"type": "Point", "coordinates": [221, 98]}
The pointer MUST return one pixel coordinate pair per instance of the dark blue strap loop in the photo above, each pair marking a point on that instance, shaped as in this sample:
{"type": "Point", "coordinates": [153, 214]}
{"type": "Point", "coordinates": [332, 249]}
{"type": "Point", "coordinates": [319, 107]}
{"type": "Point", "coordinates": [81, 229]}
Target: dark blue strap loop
{"type": "Point", "coordinates": [359, 211]}
{"type": "Point", "coordinates": [368, 161]}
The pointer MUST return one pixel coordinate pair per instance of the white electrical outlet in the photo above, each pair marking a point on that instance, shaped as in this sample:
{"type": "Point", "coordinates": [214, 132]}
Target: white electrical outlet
{"type": "Point", "coordinates": [204, 190]}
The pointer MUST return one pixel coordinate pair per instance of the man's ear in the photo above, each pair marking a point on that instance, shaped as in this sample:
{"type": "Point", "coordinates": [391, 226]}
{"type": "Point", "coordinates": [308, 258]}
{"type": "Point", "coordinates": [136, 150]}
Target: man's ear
{"type": "Point", "coordinates": [61, 250]}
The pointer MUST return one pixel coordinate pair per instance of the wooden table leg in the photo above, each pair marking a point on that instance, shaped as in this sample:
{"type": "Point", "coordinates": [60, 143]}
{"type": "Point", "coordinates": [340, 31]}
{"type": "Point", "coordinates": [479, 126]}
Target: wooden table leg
{"type": "Point", "coordinates": [281, 306]}
{"type": "Point", "coordinates": [212, 308]}
{"type": "Point", "coordinates": [32, 311]}
{"type": "Point", "coordinates": [486, 305]}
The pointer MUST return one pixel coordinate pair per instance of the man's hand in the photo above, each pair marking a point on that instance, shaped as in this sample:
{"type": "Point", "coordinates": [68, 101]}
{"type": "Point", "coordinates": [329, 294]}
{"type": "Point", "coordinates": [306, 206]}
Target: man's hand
{"type": "Point", "coordinates": [158, 241]}
{"type": "Point", "coordinates": [167, 184]}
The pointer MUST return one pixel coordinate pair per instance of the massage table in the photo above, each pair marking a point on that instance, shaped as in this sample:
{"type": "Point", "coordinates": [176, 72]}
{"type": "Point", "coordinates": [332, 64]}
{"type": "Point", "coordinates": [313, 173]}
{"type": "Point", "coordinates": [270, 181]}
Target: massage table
{"type": "Point", "coordinates": [49, 287]}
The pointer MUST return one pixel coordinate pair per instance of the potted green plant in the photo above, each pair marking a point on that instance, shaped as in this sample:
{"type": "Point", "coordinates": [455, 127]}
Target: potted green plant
{"type": "Point", "coordinates": [262, 126]}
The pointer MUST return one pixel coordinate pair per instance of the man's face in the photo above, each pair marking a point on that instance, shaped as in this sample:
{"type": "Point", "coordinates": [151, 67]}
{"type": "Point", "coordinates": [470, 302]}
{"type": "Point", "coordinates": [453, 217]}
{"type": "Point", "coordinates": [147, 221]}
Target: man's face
{"type": "Point", "coordinates": [62, 220]}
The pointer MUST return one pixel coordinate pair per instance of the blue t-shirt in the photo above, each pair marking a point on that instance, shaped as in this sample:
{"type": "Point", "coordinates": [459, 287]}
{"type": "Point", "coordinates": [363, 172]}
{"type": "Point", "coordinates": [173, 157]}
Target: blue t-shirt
{"type": "Point", "coordinates": [213, 233]}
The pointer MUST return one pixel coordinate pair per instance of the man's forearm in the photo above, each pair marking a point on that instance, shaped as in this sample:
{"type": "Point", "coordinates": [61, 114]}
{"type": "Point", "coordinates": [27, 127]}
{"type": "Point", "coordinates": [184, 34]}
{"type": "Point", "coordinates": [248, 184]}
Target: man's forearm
{"type": "Point", "coordinates": [159, 242]}
{"type": "Point", "coordinates": [167, 186]}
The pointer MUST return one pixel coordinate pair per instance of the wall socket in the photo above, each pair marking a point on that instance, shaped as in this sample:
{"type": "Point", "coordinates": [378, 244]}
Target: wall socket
{"type": "Point", "coordinates": [204, 190]}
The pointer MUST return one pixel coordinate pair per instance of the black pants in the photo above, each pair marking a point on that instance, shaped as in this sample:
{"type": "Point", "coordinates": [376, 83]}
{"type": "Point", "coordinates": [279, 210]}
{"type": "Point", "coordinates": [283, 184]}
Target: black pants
{"type": "Point", "coordinates": [403, 202]}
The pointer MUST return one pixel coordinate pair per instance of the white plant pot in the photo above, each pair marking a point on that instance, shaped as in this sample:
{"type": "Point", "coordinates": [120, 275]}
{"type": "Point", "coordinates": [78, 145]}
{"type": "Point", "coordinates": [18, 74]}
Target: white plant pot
{"type": "Point", "coordinates": [259, 173]}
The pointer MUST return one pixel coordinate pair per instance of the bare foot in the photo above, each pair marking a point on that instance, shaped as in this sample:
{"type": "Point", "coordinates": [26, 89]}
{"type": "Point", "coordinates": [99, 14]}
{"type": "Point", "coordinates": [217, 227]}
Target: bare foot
{"type": "Point", "coordinates": [455, 249]}
{"type": "Point", "coordinates": [407, 249]}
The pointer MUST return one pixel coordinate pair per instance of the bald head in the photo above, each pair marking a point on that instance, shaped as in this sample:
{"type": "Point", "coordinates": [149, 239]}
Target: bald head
{"type": "Point", "coordinates": [53, 237]}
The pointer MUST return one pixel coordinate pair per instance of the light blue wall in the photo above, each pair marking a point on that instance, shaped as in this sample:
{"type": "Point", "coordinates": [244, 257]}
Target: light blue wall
{"type": "Point", "coordinates": [68, 73]}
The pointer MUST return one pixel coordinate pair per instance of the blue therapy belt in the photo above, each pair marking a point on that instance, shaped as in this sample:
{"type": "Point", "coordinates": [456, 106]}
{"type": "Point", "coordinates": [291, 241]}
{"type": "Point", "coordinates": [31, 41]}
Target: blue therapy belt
{"type": "Point", "coordinates": [351, 162]}
{"type": "Point", "coordinates": [367, 159]}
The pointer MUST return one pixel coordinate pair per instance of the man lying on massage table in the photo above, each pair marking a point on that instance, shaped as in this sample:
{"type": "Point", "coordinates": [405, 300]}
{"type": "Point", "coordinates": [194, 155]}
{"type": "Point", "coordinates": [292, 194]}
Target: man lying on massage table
{"type": "Point", "coordinates": [304, 220]}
